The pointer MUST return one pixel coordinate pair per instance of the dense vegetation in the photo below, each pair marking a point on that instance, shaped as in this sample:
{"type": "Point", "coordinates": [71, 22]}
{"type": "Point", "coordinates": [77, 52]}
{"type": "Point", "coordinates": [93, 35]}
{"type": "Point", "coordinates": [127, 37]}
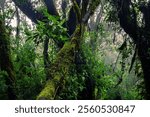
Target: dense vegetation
{"type": "Point", "coordinates": [75, 49]}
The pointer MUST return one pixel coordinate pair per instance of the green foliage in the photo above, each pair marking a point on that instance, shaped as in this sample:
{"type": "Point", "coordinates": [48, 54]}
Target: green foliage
{"type": "Point", "coordinates": [28, 65]}
{"type": "Point", "coordinates": [29, 86]}
{"type": "Point", "coordinates": [29, 73]}
{"type": "Point", "coordinates": [73, 86]}
{"type": "Point", "coordinates": [110, 83]}
{"type": "Point", "coordinates": [3, 86]}
{"type": "Point", "coordinates": [52, 27]}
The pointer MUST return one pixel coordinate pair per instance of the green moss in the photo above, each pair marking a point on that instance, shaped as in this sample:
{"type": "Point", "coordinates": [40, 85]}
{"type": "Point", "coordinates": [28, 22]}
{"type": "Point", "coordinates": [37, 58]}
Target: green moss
{"type": "Point", "coordinates": [48, 91]}
{"type": "Point", "coordinates": [5, 59]}
{"type": "Point", "coordinates": [61, 66]}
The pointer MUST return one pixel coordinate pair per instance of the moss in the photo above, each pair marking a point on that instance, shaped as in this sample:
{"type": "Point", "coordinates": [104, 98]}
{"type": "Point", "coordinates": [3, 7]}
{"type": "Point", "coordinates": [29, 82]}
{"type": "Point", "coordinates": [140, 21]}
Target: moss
{"type": "Point", "coordinates": [48, 91]}
{"type": "Point", "coordinates": [61, 67]}
{"type": "Point", "coordinates": [5, 60]}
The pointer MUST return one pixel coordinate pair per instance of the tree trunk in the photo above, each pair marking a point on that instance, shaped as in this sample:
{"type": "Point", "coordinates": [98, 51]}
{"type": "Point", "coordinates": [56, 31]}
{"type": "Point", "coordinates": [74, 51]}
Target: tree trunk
{"type": "Point", "coordinates": [144, 55]}
{"type": "Point", "coordinates": [5, 60]}
{"type": "Point", "coordinates": [60, 68]}
{"type": "Point", "coordinates": [65, 58]}
{"type": "Point", "coordinates": [139, 34]}
{"type": "Point", "coordinates": [46, 57]}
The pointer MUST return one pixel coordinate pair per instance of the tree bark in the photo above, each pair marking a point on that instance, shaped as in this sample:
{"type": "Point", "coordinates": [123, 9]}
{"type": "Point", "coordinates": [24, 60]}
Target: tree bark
{"type": "Point", "coordinates": [46, 57]}
{"type": "Point", "coordinates": [140, 35]}
{"type": "Point", "coordinates": [65, 58]}
{"type": "Point", "coordinates": [6, 62]}
{"type": "Point", "coordinates": [60, 68]}
{"type": "Point", "coordinates": [144, 56]}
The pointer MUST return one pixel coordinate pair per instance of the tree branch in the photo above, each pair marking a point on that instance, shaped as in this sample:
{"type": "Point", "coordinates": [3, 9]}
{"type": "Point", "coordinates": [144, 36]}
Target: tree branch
{"type": "Point", "coordinates": [127, 19]}
{"type": "Point", "coordinates": [92, 7]}
{"type": "Point", "coordinates": [51, 7]}
{"type": "Point", "coordinates": [77, 10]}
{"type": "Point", "coordinates": [27, 8]}
{"type": "Point", "coordinates": [71, 23]}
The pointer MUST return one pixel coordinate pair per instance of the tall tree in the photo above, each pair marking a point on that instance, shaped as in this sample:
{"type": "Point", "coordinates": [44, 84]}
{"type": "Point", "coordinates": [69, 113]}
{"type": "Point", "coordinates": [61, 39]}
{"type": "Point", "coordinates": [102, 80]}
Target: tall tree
{"type": "Point", "coordinates": [128, 18]}
{"type": "Point", "coordinates": [66, 57]}
{"type": "Point", "coordinates": [27, 8]}
{"type": "Point", "coordinates": [78, 18]}
{"type": "Point", "coordinates": [5, 60]}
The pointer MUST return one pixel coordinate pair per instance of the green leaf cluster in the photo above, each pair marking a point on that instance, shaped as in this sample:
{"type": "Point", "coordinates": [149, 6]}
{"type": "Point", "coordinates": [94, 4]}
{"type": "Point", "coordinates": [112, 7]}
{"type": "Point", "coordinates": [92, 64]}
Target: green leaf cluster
{"type": "Point", "coordinates": [51, 27]}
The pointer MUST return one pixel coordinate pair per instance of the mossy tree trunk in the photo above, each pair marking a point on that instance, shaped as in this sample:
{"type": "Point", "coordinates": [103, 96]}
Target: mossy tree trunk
{"type": "Point", "coordinates": [65, 58]}
{"type": "Point", "coordinates": [83, 13]}
{"type": "Point", "coordinates": [61, 66]}
{"type": "Point", "coordinates": [5, 60]}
